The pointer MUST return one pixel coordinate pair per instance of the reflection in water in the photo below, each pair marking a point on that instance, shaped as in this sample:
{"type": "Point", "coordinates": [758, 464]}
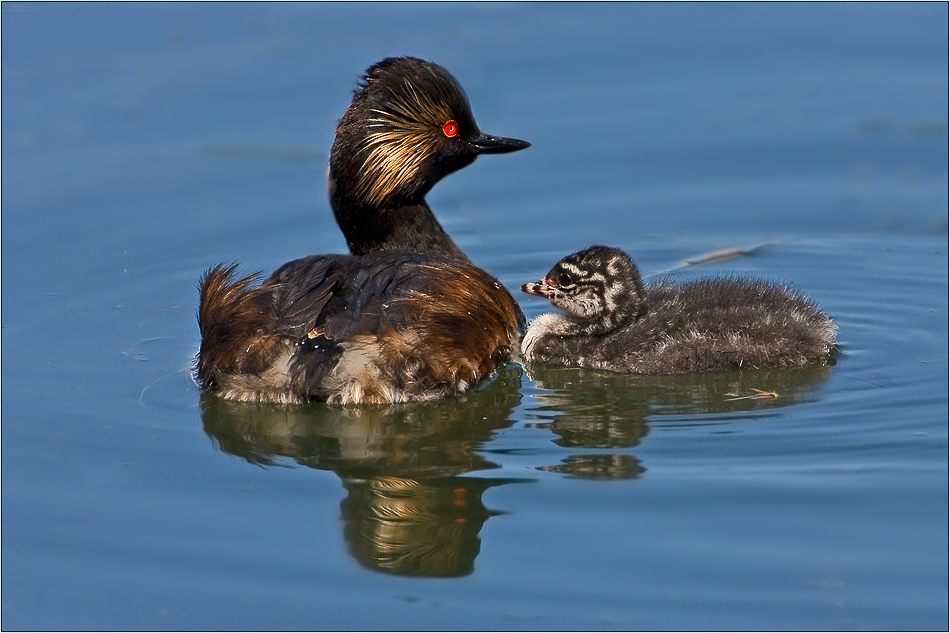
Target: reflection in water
{"type": "Point", "coordinates": [407, 511]}
{"type": "Point", "coordinates": [416, 527]}
{"type": "Point", "coordinates": [602, 409]}
{"type": "Point", "coordinates": [599, 466]}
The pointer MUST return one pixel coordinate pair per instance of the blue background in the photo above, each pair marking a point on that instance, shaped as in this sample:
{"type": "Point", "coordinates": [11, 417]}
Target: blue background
{"type": "Point", "coordinates": [142, 143]}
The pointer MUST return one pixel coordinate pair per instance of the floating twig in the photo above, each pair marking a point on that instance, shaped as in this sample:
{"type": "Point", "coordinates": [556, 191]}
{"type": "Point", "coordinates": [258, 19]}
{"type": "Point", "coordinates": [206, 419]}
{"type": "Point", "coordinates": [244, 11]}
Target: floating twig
{"type": "Point", "coordinates": [758, 395]}
{"type": "Point", "coordinates": [724, 254]}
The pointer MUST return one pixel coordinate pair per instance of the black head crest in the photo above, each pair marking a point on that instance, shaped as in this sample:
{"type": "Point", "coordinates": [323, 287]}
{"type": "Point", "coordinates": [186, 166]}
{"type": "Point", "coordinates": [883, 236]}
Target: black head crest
{"type": "Point", "coordinates": [408, 111]}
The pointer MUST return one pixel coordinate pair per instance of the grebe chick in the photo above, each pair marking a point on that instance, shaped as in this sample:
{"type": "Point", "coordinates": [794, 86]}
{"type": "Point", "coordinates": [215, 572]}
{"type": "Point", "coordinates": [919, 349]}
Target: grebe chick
{"type": "Point", "coordinates": [612, 321]}
{"type": "Point", "coordinates": [407, 316]}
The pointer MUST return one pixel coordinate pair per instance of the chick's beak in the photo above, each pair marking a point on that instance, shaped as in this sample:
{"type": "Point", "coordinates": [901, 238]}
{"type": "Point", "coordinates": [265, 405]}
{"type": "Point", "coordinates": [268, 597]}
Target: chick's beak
{"type": "Point", "coordinates": [538, 288]}
{"type": "Point", "coordinates": [488, 144]}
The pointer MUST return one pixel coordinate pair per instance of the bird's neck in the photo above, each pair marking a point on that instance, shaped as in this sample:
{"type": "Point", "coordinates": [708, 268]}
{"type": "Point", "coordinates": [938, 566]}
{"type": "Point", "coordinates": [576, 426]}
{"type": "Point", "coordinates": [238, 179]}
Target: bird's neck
{"type": "Point", "coordinates": [407, 225]}
{"type": "Point", "coordinates": [630, 311]}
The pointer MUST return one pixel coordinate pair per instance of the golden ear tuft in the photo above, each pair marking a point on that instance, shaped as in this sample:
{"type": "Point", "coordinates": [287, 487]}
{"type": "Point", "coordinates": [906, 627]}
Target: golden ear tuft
{"type": "Point", "coordinates": [400, 138]}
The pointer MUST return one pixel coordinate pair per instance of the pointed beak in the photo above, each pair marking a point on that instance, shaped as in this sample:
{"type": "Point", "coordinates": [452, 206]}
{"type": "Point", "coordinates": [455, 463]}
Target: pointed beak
{"type": "Point", "coordinates": [488, 144]}
{"type": "Point", "coordinates": [538, 289]}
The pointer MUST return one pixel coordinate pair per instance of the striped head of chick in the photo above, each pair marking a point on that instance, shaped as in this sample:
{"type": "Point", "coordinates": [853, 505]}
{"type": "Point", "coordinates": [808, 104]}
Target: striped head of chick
{"type": "Point", "coordinates": [409, 124]}
{"type": "Point", "coordinates": [599, 288]}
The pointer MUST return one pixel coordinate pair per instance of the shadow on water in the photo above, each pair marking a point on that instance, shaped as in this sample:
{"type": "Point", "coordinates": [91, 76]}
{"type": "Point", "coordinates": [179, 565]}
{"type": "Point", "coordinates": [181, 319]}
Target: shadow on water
{"type": "Point", "coordinates": [606, 410]}
{"type": "Point", "coordinates": [407, 510]}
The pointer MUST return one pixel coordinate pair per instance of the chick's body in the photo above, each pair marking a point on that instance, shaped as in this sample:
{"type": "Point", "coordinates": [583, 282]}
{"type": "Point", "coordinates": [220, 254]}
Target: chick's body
{"type": "Point", "coordinates": [612, 321]}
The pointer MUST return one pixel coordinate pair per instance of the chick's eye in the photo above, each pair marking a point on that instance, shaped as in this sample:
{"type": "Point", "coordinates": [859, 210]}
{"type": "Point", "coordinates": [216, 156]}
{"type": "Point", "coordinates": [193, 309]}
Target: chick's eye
{"type": "Point", "coordinates": [451, 128]}
{"type": "Point", "coordinates": [564, 279]}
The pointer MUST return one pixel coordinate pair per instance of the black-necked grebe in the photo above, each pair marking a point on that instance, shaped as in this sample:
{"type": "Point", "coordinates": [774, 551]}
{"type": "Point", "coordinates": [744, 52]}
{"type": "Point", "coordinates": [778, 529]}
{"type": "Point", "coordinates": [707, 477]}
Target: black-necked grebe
{"type": "Point", "coordinates": [612, 321]}
{"type": "Point", "coordinates": [409, 124]}
{"type": "Point", "coordinates": [407, 316]}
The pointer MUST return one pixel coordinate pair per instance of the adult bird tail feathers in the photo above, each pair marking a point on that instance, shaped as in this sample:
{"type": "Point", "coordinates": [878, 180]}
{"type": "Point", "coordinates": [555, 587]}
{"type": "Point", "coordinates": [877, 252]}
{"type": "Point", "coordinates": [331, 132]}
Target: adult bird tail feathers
{"type": "Point", "coordinates": [234, 319]}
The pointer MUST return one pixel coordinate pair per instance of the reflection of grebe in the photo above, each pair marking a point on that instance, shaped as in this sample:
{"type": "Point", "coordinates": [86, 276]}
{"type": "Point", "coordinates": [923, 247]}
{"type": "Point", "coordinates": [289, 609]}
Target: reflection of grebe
{"type": "Point", "coordinates": [407, 510]}
{"type": "Point", "coordinates": [603, 466]}
{"type": "Point", "coordinates": [592, 409]}
{"type": "Point", "coordinates": [611, 321]}
{"type": "Point", "coordinates": [406, 317]}
{"type": "Point", "coordinates": [416, 527]}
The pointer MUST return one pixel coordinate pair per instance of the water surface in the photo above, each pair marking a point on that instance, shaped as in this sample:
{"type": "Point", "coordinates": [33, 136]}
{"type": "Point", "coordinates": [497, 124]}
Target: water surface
{"type": "Point", "coordinates": [143, 143]}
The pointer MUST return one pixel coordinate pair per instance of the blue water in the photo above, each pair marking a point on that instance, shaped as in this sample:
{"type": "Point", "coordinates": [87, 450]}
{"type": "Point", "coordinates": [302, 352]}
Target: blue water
{"type": "Point", "coordinates": [142, 143]}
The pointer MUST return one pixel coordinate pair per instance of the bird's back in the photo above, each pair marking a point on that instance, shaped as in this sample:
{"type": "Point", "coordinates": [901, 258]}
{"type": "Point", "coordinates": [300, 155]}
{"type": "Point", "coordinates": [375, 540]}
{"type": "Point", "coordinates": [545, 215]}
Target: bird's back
{"type": "Point", "coordinates": [384, 327]}
{"type": "Point", "coordinates": [723, 323]}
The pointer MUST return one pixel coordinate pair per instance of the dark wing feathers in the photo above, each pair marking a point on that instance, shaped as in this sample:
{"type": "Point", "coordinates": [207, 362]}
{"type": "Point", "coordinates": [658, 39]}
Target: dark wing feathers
{"type": "Point", "coordinates": [301, 290]}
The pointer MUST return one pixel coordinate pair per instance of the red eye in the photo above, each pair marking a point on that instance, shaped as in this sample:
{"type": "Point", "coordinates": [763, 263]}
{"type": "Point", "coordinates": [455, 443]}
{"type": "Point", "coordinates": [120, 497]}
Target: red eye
{"type": "Point", "coordinates": [450, 129]}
